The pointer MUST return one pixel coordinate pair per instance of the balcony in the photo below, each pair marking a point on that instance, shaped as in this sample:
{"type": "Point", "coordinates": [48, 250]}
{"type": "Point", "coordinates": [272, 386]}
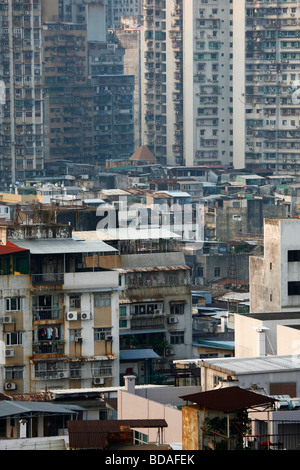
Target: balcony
{"type": "Point", "coordinates": [41, 314]}
{"type": "Point", "coordinates": [147, 321]}
{"type": "Point", "coordinates": [48, 279]}
{"type": "Point", "coordinates": [48, 347]}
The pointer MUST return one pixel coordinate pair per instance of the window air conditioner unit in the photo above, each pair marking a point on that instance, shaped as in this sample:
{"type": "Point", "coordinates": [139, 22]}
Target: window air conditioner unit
{"type": "Point", "coordinates": [98, 381]}
{"type": "Point", "coordinates": [158, 310]}
{"type": "Point", "coordinates": [71, 316]}
{"type": "Point", "coordinates": [173, 320]}
{"type": "Point", "coordinates": [78, 339]}
{"type": "Point", "coordinates": [86, 316]}
{"type": "Point", "coordinates": [62, 375]}
{"type": "Point", "coordinates": [169, 352]}
{"type": "Point", "coordinates": [8, 319]}
{"type": "Point", "coordinates": [10, 353]}
{"type": "Point", "coordinates": [108, 337]}
{"type": "Point", "coordinates": [10, 386]}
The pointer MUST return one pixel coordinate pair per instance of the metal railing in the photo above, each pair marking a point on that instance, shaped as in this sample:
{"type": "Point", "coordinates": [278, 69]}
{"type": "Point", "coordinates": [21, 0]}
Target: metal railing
{"type": "Point", "coordinates": [47, 279]}
{"type": "Point", "coordinates": [48, 347]}
{"type": "Point", "coordinates": [40, 313]}
{"type": "Point", "coordinates": [281, 441]}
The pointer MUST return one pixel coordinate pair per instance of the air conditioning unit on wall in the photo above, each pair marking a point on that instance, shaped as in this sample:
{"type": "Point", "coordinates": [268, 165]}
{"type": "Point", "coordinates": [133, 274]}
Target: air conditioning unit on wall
{"type": "Point", "coordinates": [85, 316]}
{"type": "Point", "coordinates": [169, 352]}
{"type": "Point", "coordinates": [10, 386]}
{"type": "Point", "coordinates": [72, 316]}
{"type": "Point", "coordinates": [8, 319]}
{"type": "Point", "coordinates": [10, 353]}
{"type": "Point", "coordinates": [98, 381]}
{"type": "Point", "coordinates": [173, 320]}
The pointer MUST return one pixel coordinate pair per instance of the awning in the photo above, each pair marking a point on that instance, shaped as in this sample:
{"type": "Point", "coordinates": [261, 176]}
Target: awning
{"type": "Point", "coordinates": [229, 399]}
{"type": "Point", "coordinates": [136, 354]}
{"type": "Point", "coordinates": [142, 332]}
{"type": "Point", "coordinates": [64, 245]}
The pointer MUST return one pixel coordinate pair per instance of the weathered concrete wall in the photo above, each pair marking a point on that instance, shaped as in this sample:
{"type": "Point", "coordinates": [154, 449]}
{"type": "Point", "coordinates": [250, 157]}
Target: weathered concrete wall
{"type": "Point", "coordinates": [38, 231]}
{"type": "Point", "coordinates": [248, 218]}
{"type": "Point", "coordinates": [190, 427]}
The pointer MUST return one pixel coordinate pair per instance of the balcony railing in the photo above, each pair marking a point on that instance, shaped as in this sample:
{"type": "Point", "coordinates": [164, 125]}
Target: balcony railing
{"type": "Point", "coordinates": [149, 321]}
{"type": "Point", "coordinates": [47, 279]}
{"type": "Point", "coordinates": [40, 314]}
{"type": "Point", "coordinates": [48, 347]}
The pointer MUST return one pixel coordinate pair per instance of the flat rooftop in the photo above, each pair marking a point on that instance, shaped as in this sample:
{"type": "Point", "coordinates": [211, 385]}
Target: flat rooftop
{"type": "Point", "coordinates": [248, 365]}
{"type": "Point", "coordinates": [270, 316]}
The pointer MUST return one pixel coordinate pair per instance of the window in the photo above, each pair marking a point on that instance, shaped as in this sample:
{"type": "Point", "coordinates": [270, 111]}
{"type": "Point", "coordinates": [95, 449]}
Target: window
{"type": "Point", "coordinates": [75, 301]}
{"type": "Point", "coordinates": [100, 334]}
{"type": "Point", "coordinates": [217, 271]}
{"type": "Point", "coordinates": [123, 311]}
{"type": "Point", "coordinates": [14, 373]}
{"type": "Point", "coordinates": [177, 337]}
{"type": "Point", "coordinates": [294, 288]}
{"type": "Point", "coordinates": [122, 323]}
{"type": "Point", "coordinates": [14, 303]}
{"type": "Point", "coordinates": [101, 368]}
{"type": "Point", "coordinates": [14, 338]}
{"type": "Point", "coordinates": [176, 309]}
{"type": "Point", "coordinates": [102, 300]}
{"type": "Point", "coordinates": [76, 333]}
{"type": "Point", "coordinates": [293, 255]}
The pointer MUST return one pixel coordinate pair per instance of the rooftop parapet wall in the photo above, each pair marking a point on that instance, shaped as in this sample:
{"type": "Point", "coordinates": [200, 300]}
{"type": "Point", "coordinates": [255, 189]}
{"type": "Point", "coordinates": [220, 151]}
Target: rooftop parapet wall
{"type": "Point", "coordinates": [36, 231]}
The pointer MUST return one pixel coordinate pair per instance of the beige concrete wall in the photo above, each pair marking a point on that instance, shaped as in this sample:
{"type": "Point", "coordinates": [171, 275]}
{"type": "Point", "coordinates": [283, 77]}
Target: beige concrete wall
{"type": "Point", "coordinates": [131, 406]}
{"type": "Point", "coordinates": [246, 336]}
{"type": "Point", "coordinates": [288, 341]}
{"type": "Point", "coordinates": [17, 198]}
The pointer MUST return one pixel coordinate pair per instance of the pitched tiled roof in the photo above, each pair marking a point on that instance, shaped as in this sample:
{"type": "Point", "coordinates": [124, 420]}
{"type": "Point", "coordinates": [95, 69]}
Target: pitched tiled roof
{"type": "Point", "coordinates": [143, 154]}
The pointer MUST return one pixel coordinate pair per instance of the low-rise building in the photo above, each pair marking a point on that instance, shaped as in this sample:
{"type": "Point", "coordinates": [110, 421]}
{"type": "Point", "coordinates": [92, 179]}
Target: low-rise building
{"type": "Point", "coordinates": [274, 277]}
{"type": "Point", "coordinates": [59, 321]}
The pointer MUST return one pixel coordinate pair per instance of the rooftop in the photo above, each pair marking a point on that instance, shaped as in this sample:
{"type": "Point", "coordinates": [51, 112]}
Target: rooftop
{"type": "Point", "coordinates": [64, 245]}
{"type": "Point", "coordinates": [270, 316]}
{"type": "Point", "coordinates": [229, 399]}
{"type": "Point", "coordinates": [253, 365]}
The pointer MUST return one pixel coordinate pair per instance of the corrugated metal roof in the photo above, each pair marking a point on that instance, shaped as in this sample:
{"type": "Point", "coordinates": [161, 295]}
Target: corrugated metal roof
{"type": "Point", "coordinates": [216, 344]}
{"type": "Point", "coordinates": [135, 354]}
{"type": "Point", "coordinates": [152, 268]}
{"type": "Point", "coordinates": [13, 408]}
{"type": "Point", "coordinates": [64, 245]}
{"type": "Point", "coordinates": [130, 233]}
{"type": "Point", "coordinates": [93, 434]}
{"type": "Point", "coordinates": [228, 399]}
{"type": "Point", "coordinates": [254, 365]}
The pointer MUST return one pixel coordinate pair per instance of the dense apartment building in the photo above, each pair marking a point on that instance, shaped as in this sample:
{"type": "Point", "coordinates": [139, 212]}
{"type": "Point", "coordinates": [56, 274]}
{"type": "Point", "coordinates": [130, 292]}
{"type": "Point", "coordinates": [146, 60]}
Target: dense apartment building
{"type": "Point", "coordinates": [59, 322]}
{"type": "Point", "coordinates": [68, 97]}
{"type": "Point", "coordinates": [207, 85]}
{"type": "Point", "coordinates": [187, 81]}
{"type": "Point", "coordinates": [266, 112]}
{"type": "Point", "coordinates": [116, 9]}
{"type": "Point", "coordinates": [155, 304]}
{"type": "Point", "coordinates": [21, 126]}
